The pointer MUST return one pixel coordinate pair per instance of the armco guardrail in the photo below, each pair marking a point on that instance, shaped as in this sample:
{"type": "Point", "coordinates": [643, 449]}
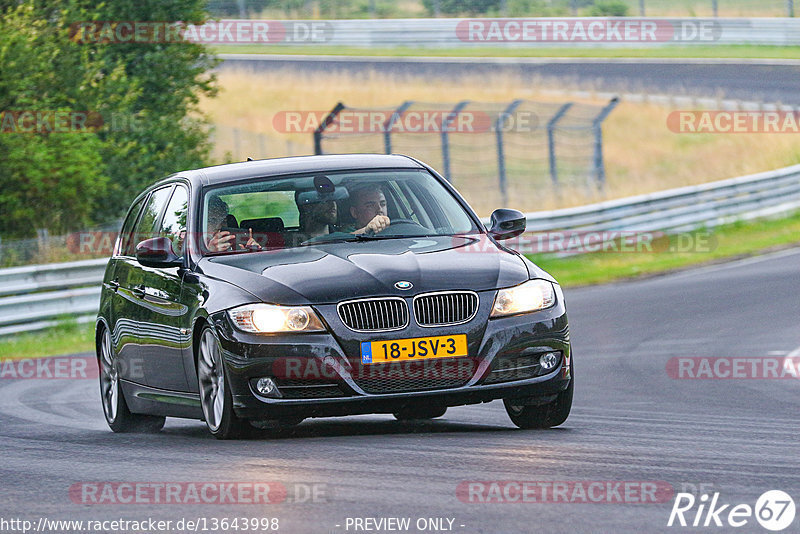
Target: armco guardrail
{"type": "Point", "coordinates": [35, 296]}
{"type": "Point", "coordinates": [514, 32]}
{"type": "Point", "coordinates": [31, 298]}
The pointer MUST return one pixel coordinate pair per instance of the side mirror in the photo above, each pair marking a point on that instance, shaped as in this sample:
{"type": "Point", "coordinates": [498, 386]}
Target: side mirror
{"type": "Point", "coordinates": [506, 224]}
{"type": "Point", "coordinates": [157, 252]}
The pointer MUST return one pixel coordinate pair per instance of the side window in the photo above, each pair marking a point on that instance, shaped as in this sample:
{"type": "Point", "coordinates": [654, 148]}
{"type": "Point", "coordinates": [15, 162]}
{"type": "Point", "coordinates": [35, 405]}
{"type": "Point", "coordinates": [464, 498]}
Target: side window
{"type": "Point", "coordinates": [145, 229]}
{"type": "Point", "coordinates": [173, 225]}
{"type": "Point", "coordinates": [126, 234]}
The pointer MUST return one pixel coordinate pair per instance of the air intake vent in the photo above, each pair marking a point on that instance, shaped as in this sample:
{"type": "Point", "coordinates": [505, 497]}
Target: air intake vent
{"type": "Point", "coordinates": [446, 308]}
{"type": "Point", "coordinates": [374, 315]}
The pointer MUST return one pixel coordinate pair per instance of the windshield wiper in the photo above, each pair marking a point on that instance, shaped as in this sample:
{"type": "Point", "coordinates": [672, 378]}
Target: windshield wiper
{"type": "Point", "coordinates": [375, 237]}
{"type": "Point", "coordinates": [234, 251]}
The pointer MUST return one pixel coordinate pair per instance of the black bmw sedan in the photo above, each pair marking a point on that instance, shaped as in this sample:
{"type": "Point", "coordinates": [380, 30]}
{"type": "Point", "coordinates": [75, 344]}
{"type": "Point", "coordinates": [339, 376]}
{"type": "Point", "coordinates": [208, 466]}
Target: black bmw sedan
{"type": "Point", "coordinates": [259, 294]}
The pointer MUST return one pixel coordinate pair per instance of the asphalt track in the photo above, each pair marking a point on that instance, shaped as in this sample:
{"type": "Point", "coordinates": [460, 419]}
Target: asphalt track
{"type": "Point", "coordinates": [630, 422]}
{"type": "Point", "coordinates": [769, 81]}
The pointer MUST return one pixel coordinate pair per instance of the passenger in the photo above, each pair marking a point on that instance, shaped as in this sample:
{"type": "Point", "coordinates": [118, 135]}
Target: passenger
{"type": "Point", "coordinates": [217, 239]}
{"type": "Point", "coordinates": [316, 218]}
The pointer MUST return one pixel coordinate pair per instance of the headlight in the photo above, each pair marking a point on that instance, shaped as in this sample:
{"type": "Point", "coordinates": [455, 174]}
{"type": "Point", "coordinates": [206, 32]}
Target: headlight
{"type": "Point", "coordinates": [270, 319]}
{"type": "Point", "coordinates": [530, 296]}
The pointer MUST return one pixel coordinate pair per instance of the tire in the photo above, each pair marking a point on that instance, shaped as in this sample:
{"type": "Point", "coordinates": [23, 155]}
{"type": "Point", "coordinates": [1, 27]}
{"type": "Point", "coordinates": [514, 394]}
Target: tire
{"type": "Point", "coordinates": [115, 409]}
{"type": "Point", "coordinates": [215, 395]}
{"type": "Point", "coordinates": [409, 413]}
{"type": "Point", "coordinates": [548, 415]}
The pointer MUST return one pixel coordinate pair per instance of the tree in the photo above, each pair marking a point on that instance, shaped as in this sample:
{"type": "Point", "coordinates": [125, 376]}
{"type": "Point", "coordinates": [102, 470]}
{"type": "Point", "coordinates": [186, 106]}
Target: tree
{"type": "Point", "coordinates": [146, 93]}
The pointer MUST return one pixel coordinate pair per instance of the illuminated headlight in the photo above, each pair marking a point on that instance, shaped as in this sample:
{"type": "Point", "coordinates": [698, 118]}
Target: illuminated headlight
{"type": "Point", "coordinates": [531, 296]}
{"type": "Point", "coordinates": [270, 319]}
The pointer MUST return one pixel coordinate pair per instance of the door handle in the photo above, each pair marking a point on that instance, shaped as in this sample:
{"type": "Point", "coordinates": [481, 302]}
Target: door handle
{"type": "Point", "coordinates": [138, 291]}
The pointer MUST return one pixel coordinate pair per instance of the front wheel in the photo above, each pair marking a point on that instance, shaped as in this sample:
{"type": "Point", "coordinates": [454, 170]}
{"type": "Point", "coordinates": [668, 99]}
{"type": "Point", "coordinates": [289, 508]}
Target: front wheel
{"type": "Point", "coordinates": [118, 415]}
{"type": "Point", "coordinates": [546, 415]}
{"type": "Point", "coordinates": [215, 395]}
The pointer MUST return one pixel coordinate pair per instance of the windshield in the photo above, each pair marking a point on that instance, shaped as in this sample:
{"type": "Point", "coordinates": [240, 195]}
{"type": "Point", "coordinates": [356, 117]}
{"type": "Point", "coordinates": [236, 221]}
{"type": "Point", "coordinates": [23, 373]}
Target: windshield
{"type": "Point", "coordinates": [279, 213]}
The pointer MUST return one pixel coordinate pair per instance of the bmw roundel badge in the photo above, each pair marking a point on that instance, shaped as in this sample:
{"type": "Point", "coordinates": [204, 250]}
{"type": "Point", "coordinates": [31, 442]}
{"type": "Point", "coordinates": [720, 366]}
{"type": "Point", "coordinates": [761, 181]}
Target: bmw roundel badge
{"type": "Point", "coordinates": [403, 284]}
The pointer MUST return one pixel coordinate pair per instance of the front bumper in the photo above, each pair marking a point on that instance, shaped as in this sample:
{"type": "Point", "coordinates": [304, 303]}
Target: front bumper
{"type": "Point", "coordinates": [250, 356]}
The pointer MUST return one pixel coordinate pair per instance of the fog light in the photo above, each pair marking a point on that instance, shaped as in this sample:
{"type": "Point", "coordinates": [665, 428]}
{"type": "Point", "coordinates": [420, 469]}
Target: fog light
{"type": "Point", "coordinates": [267, 387]}
{"type": "Point", "coordinates": [548, 361]}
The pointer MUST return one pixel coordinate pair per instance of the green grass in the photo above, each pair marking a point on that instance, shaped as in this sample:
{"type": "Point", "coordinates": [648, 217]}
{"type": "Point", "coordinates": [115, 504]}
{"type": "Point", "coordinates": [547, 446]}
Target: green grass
{"type": "Point", "coordinates": [67, 338]}
{"type": "Point", "coordinates": [726, 242]}
{"type": "Point", "coordinates": [666, 51]}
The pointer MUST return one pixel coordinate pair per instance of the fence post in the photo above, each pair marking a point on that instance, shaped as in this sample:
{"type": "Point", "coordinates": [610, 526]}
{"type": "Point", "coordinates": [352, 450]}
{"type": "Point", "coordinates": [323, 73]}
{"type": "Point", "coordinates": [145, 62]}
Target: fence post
{"type": "Point", "coordinates": [790, 8]}
{"type": "Point", "coordinates": [641, 8]}
{"type": "Point", "coordinates": [551, 140]}
{"type": "Point", "coordinates": [574, 5]}
{"type": "Point", "coordinates": [597, 126]}
{"type": "Point", "coordinates": [501, 157]}
{"type": "Point", "coordinates": [715, 8]}
{"type": "Point", "coordinates": [445, 140]}
{"type": "Point", "coordinates": [325, 123]}
{"type": "Point", "coordinates": [389, 124]}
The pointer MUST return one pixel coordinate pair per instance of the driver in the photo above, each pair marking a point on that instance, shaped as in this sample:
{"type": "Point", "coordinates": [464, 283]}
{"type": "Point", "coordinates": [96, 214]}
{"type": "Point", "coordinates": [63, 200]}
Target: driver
{"type": "Point", "coordinates": [368, 208]}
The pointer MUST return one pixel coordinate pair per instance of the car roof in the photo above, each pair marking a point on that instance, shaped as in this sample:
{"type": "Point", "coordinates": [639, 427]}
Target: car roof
{"type": "Point", "coordinates": [297, 164]}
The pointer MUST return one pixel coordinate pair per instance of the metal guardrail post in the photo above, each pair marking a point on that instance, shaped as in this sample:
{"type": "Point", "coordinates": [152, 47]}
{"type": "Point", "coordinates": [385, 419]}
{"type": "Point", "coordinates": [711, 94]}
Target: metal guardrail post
{"type": "Point", "coordinates": [445, 139]}
{"type": "Point", "coordinates": [574, 5]}
{"type": "Point", "coordinates": [715, 8]}
{"type": "Point", "coordinates": [387, 126]}
{"type": "Point", "coordinates": [501, 157]}
{"type": "Point", "coordinates": [551, 140]}
{"type": "Point", "coordinates": [790, 8]}
{"type": "Point", "coordinates": [325, 123]}
{"type": "Point", "coordinates": [641, 8]}
{"type": "Point", "coordinates": [597, 126]}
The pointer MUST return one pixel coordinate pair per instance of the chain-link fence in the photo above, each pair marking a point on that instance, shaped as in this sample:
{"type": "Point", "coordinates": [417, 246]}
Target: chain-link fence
{"type": "Point", "coordinates": [493, 152]}
{"type": "Point", "coordinates": [95, 242]}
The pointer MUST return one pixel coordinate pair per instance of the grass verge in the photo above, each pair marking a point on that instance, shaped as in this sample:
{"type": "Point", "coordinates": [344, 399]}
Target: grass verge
{"type": "Point", "coordinates": [721, 51]}
{"type": "Point", "coordinates": [66, 338]}
{"type": "Point", "coordinates": [727, 242]}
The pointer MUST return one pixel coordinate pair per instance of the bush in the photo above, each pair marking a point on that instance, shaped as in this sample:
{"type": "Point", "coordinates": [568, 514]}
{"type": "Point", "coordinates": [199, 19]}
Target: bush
{"type": "Point", "coordinates": [609, 8]}
{"type": "Point", "coordinates": [460, 7]}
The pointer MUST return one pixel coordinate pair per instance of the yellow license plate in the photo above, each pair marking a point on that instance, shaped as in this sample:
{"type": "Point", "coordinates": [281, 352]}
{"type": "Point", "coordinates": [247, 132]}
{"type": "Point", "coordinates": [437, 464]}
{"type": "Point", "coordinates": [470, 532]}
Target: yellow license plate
{"type": "Point", "coordinates": [415, 348]}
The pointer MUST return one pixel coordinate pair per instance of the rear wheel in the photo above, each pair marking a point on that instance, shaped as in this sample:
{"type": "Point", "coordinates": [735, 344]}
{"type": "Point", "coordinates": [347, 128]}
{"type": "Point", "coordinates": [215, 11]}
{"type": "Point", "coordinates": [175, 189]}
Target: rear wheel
{"type": "Point", "coordinates": [215, 395]}
{"type": "Point", "coordinates": [410, 413]}
{"type": "Point", "coordinates": [118, 415]}
{"type": "Point", "coordinates": [545, 415]}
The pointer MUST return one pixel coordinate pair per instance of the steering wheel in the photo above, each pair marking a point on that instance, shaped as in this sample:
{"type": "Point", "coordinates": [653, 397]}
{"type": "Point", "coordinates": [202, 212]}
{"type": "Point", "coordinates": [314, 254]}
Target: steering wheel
{"type": "Point", "coordinates": [396, 222]}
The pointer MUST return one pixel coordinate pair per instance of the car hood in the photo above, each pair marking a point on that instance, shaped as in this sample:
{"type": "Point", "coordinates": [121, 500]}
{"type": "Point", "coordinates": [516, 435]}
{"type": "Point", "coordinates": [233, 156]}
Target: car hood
{"type": "Point", "coordinates": [329, 273]}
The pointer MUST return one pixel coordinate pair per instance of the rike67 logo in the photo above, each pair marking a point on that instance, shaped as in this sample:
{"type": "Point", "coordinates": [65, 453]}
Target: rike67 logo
{"type": "Point", "coordinates": [774, 510]}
